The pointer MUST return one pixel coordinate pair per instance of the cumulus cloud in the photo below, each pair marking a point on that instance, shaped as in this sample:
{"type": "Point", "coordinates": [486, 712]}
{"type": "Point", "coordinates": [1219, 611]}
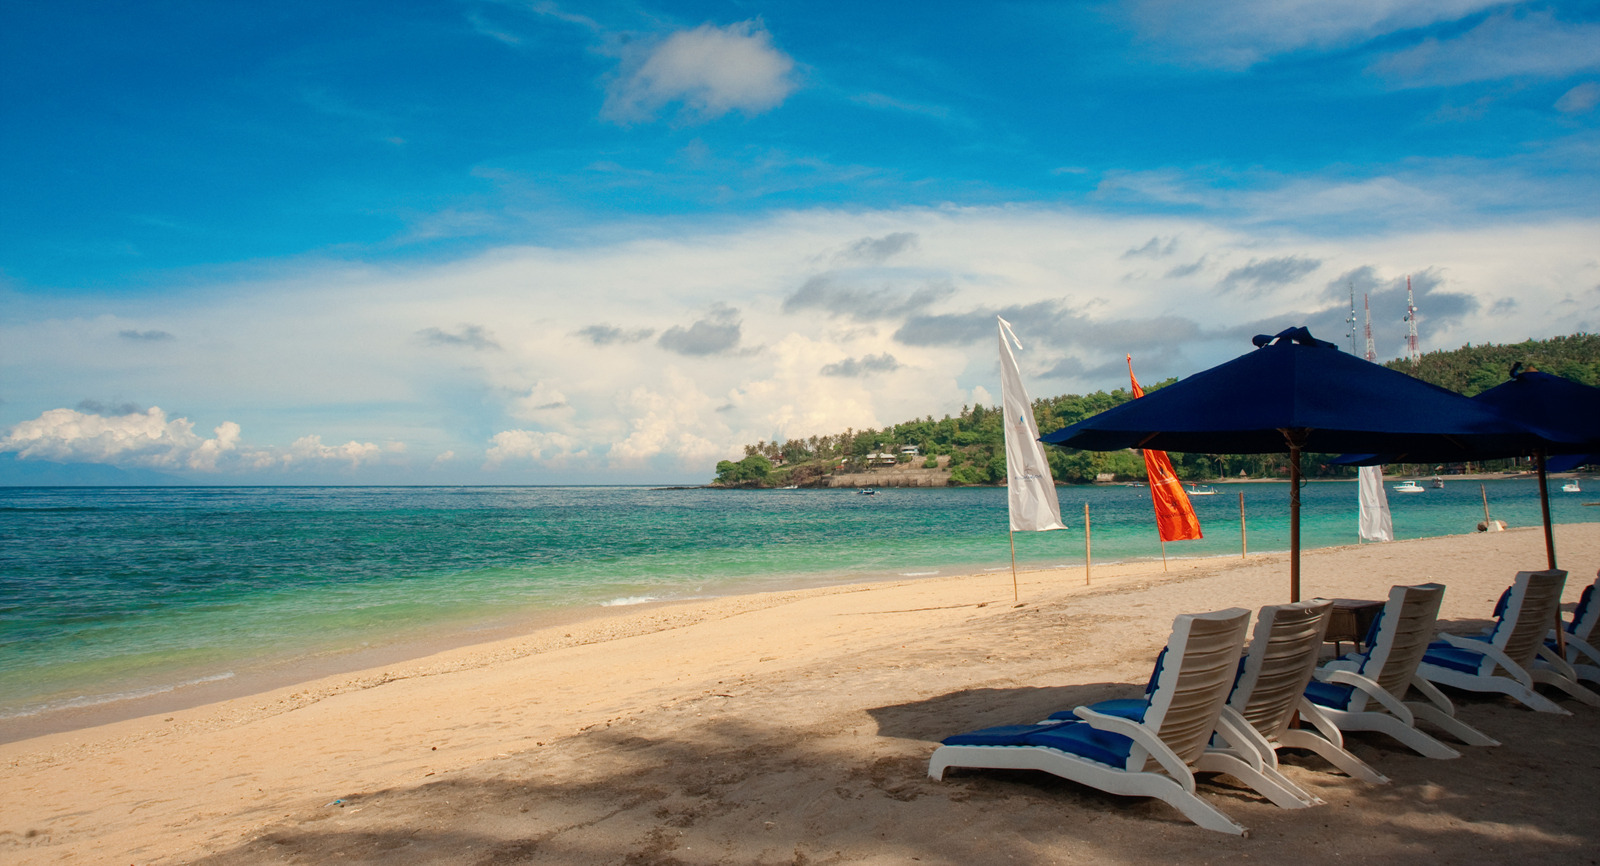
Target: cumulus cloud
{"type": "Point", "coordinates": [135, 439]}
{"type": "Point", "coordinates": [876, 251]}
{"type": "Point", "coordinates": [1440, 311]}
{"type": "Point", "coordinates": [95, 407]}
{"type": "Point", "coordinates": [608, 335]}
{"type": "Point", "coordinates": [1180, 271]}
{"type": "Point", "coordinates": [145, 336]}
{"type": "Point", "coordinates": [717, 333]}
{"type": "Point", "coordinates": [1504, 45]}
{"type": "Point", "coordinates": [469, 336]}
{"type": "Point", "coordinates": [1249, 31]}
{"type": "Point", "coordinates": [550, 449]}
{"type": "Point", "coordinates": [1267, 274]}
{"type": "Point", "coordinates": [850, 367]}
{"type": "Point", "coordinates": [836, 295]}
{"type": "Point", "coordinates": [1580, 99]}
{"type": "Point", "coordinates": [710, 70]}
{"type": "Point", "coordinates": [1052, 328]}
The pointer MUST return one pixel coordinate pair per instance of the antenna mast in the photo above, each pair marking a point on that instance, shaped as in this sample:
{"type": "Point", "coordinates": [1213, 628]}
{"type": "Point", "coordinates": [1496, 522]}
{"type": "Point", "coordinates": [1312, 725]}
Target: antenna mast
{"type": "Point", "coordinates": [1411, 325]}
{"type": "Point", "coordinates": [1350, 323]}
{"type": "Point", "coordinates": [1372, 353]}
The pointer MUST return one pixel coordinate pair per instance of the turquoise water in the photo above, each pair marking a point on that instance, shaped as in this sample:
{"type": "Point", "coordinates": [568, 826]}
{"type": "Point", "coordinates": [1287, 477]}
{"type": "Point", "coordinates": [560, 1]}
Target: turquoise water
{"type": "Point", "coordinates": [107, 593]}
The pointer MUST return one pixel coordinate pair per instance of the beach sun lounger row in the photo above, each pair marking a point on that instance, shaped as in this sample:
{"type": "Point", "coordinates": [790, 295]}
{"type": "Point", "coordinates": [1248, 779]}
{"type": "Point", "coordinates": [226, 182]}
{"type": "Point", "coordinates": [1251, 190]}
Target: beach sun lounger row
{"type": "Point", "coordinates": [1206, 710]}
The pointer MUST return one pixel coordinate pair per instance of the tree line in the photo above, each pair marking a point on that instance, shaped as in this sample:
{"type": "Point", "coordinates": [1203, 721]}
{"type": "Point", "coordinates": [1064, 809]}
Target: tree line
{"type": "Point", "coordinates": [974, 439]}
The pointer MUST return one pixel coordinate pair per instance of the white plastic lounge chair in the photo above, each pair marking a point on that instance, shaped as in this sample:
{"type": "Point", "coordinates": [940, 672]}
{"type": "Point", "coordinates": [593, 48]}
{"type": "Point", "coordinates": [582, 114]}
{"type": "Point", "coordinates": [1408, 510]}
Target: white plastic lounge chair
{"type": "Point", "coordinates": [1365, 691]}
{"type": "Point", "coordinates": [1502, 658]}
{"type": "Point", "coordinates": [1155, 756]}
{"type": "Point", "coordinates": [1271, 688]}
{"type": "Point", "coordinates": [1581, 652]}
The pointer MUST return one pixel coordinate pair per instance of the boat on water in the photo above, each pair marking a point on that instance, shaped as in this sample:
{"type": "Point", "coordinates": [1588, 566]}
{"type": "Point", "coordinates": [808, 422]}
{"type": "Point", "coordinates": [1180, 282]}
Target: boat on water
{"type": "Point", "coordinates": [790, 487]}
{"type": "Point", "coordinates": [1571, 487]}
{"type": "Point", "coordinates": [1202, 490]}
{"type": "Point", "coordinates": [1409, 487]}
{"type": "Point", "coordinates": [866, 491]}
{"type": "Point", "coordinates": [1437, 483]}
{"type": "Point", "coordinates": [1134, 484]}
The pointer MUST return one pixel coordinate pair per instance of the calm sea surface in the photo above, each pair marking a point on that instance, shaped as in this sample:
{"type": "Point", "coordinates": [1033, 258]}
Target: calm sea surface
{"type": "Point", "coordinates": [108, 594]}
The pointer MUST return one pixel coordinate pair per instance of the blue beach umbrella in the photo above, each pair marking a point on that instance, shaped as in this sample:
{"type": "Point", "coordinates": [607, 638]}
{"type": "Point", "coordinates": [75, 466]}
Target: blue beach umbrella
{"type": "Point", "coordinates": [1566, 413]}
{"type": "Point", "coordinates": [1297, 393]}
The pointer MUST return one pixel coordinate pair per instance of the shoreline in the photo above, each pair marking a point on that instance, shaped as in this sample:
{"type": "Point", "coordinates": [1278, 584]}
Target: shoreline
{"type": "Point", "coordinates": [259, 676]}
{"type": "Point", "coordinates": [786, 726]}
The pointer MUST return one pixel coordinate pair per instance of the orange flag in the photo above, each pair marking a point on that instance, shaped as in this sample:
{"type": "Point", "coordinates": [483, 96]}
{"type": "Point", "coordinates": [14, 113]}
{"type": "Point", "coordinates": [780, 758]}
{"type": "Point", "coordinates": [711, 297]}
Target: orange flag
{"type": "Point", "coordinates": [1174, 515]}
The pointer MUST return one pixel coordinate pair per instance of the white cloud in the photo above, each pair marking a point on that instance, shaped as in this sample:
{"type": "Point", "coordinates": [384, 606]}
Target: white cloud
{"type": "Point", "coordinates": [1240, 34]}
{"type": "Point", "coordinates": [710, 70]}
{"type": "Point", "coordinates": [1504, 45]}
{"type": "Point", "coordinates": [549, 449]}
{"type": "Point", "coordinates": [553, 404]}
{"type": "Point", "coordinates": [1580, 99]}
{"type": "Point", "coordinates": [137, 439]}
{"type": "Point", "coordinates": [151, 439]}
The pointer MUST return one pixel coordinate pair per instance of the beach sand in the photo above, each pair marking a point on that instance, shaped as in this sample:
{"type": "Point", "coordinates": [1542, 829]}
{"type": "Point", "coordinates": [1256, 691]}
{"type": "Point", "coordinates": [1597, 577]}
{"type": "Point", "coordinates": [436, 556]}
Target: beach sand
{"type": "Point", "coordinates": [795, 728]}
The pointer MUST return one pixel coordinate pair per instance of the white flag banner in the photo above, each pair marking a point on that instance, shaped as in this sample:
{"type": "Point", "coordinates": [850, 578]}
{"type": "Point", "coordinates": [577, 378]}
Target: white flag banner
{"type": "Point", "coordinates": [1030, 491]}
{"type": "Point", "coordinates": [1375, 523]}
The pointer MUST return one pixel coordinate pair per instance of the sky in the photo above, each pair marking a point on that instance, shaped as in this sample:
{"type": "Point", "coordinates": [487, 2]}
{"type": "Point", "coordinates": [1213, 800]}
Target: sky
{"type": "Point", "coordinates": [466, 242]}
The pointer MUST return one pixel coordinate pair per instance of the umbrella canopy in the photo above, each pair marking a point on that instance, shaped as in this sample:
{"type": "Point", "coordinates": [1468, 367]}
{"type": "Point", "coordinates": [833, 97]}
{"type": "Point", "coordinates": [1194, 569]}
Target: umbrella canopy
{"type": "Point", "coordinates": [1565, 413]}
{"type": "Point", "coordinates": [1293, 393]}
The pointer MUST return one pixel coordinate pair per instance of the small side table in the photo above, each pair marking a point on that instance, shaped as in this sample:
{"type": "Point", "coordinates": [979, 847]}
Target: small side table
{"type": "Point", "coordinates": [1349, 621]}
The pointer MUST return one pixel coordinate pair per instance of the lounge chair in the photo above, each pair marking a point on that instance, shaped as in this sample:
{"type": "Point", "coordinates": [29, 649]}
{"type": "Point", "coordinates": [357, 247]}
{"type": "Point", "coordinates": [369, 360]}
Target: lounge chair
{"type": "Point", "coordinates": [1156, 755]}
{"type": "Point", "coordinates": [1271, 688]}
{"type": "Point", "coordinates": [1502, 658]}
{"type": "Point", "coordinates": [1581, 652]}
{"type": "Point", "coordinates": [1366, 691]}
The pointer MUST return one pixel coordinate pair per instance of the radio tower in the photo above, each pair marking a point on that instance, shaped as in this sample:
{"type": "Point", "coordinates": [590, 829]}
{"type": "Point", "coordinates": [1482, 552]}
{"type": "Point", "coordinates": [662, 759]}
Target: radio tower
{"type": "Point", "coordinates": [1350, 323]}
{"type": "Point", "coordinates": [1411, 325]}
{"type": "Point", "coordinates": [1372, 353]}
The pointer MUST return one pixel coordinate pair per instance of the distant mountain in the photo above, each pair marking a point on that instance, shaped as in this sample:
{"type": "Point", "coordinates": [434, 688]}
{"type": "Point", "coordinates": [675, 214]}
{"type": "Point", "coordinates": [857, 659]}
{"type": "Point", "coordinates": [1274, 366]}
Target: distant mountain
{"type": "Point", "coordinates": [43, 473]}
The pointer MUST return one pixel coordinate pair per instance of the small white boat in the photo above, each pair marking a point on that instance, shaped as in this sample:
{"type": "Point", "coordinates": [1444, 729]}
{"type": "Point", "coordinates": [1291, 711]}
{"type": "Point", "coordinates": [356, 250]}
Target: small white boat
{"type": "Point", "coordinates": [1571, 487]}
{"type": "Point", "coordinates": [1409, 487]}
{"type": "Point", "coordinates": [1202, 490]}
{"type": "Point", "coordinates": [866, 491]}
{"type": "Point", "coordinates": [790, 487]}
{"type": "Point", "coordinates": [1134, 484]}
{"type": "Point", "coordinates": [1437, 483]}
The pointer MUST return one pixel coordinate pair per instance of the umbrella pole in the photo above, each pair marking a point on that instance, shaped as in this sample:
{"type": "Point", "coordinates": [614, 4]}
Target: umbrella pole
{"type": "Point", "coordinates": [1296, 439]}
{"type": "Point", "coordinates": [1544, 503]}
{"type": "Point", "coordinates": [1015, 594]}
{"type": "Point", "coordinates": [1244, 539]}
{"type": "Point", "coordinates": [1550, 549]}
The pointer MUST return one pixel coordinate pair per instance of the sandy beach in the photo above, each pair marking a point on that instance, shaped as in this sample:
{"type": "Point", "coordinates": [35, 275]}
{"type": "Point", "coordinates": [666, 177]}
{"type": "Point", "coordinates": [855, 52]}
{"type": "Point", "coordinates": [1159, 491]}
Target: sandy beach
{"type": "Point", "coordinates": [795, 728]}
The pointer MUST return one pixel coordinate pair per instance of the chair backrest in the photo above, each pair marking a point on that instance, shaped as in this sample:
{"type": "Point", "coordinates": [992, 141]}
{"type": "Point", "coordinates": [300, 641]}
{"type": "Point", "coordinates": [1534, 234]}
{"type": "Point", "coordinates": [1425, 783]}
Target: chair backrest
{"type": "Point", "coordinates": [1193, 684]}
{"type": "Point", "coordinates": [1282, 654]}
{"type": "Point", "coordinates": [1402, 637]}
{"type": "Point", "coordinates": [1530, 612]}
{"type": "Point", "coordinates": [1587, 613]}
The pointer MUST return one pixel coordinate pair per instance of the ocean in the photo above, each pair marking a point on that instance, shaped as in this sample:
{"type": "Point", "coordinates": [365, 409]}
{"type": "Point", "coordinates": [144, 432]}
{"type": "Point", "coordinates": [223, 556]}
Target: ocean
{"type": "Point", "coordinates": [112, 595]}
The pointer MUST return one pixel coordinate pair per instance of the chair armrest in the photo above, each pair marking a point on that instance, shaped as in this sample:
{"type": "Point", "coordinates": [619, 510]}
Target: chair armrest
{"type": "Point", "coordinates": [1485, 648]}
{"type": "Point", "coordinates": [1374, 691]}
{"type": "Point", "coordinates": [1557, 663]}
{"type": "Point", "coordinates": [1321, 673]}
{"type": "Point", "coordinates": [1143, 736]}
{"type": "Point", "coordinates": [1243, 737]}
{"type": "Point", "coordinates": [1584, 648]}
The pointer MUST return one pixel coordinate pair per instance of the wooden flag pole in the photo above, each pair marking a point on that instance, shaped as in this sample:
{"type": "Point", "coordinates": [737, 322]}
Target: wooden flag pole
{"type": "Point", "coordinates": [1015, 594]}
{"type": "Point", "coordinates": [1163, 550]}
{"type": "Point", "coordinates": [1244, 542]}
{"type": "Point", "coordinates": [1086, 547]}
{"type": "Point", "coordinates": [1485, 491]}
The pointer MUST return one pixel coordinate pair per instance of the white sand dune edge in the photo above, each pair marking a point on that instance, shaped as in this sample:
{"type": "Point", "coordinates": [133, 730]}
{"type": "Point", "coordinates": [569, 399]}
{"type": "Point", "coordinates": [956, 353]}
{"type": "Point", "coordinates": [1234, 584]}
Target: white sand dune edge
{"type": "Point", "coordinates": [795, 728]}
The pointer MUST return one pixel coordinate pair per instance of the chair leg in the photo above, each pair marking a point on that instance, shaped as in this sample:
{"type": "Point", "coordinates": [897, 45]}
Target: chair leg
{"type": "Point", "coordinates": [1587, 673]}
{"type": "Point", "coordinates": [1268, 782]}
{"type": "Point", "coordinates": [1349, 764]}
{"type": "Point", "coordinates": [1451, 725]}
{"type": "Point", "coordinates": [1528, 696]}
{"type": "Point", "coordinates": [1412, 738]}
{"type": "Point", "coordinates": [1566, 685]}
{"type": "Point", "coordinates": [1198, 810]}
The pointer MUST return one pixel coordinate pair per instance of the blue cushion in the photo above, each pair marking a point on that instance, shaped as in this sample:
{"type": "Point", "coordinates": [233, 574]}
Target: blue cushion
{"type": "Point", "coordinates": [1004, 735]}
{"type": "Point", "coordinates": [1332, 695]}
{"type": "Point", "coordinates": [1078, 738]}
{"type": "Point", "coordinates": [1446, 656]}
{"type": "Point", "coordinates": [1132, 709]}
{"type": "Point", "coordinates": [1500, 606]}
{"type": "Point", "coordinates": [1074, 738]}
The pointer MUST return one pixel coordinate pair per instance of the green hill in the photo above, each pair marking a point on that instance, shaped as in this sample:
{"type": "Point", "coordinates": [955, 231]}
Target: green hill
{"type": "Point", "coordinates": [975, 440]}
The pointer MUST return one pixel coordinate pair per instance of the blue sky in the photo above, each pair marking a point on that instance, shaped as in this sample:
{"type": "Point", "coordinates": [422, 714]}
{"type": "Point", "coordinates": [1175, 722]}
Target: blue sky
{"type": "Point", "coordinates": [558, 242]}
